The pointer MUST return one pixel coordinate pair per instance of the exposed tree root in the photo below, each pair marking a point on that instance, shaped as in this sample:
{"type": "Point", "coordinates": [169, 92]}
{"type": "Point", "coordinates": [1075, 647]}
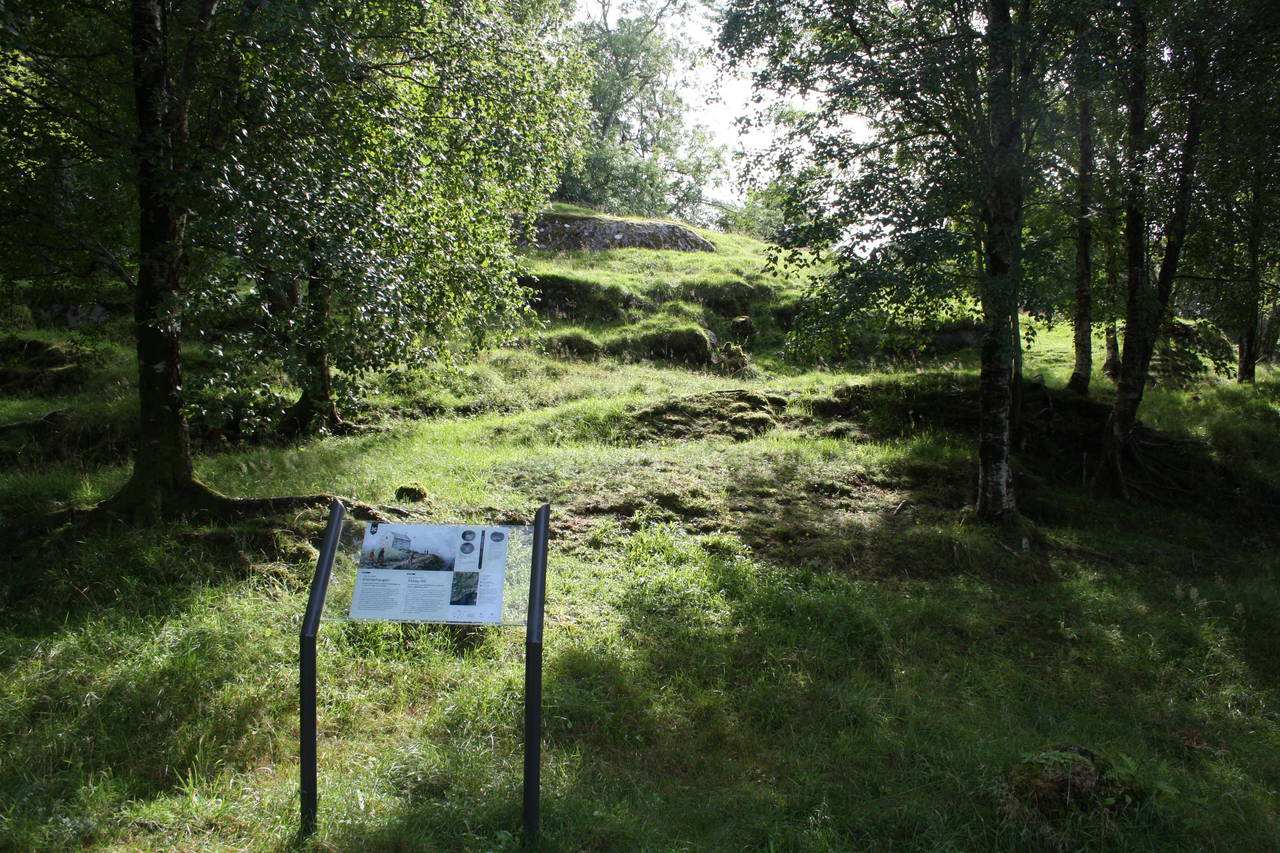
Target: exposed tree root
{"type": "Point", "coordinates": [1138, 470]}
{"type": "Point", "coordinates": [196, 501]}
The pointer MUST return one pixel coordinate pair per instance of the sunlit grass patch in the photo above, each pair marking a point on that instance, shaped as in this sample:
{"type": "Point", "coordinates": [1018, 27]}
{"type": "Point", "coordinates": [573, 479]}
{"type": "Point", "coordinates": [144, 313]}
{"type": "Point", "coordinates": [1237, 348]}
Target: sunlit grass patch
{"type": "Point", "coordinates": [795, 638]}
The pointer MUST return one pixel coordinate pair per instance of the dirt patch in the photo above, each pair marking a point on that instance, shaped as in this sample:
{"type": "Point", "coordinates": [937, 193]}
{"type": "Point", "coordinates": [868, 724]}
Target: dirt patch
{"type": "Point", "coordinates": [736, 414]}
{"type": "Point", "coordinates": [567, 232]}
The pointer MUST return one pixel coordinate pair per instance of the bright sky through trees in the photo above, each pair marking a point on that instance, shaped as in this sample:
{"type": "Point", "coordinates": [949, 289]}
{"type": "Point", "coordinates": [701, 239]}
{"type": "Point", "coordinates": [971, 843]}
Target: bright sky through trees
{"type": "Point", "coordinates": [716, 98]}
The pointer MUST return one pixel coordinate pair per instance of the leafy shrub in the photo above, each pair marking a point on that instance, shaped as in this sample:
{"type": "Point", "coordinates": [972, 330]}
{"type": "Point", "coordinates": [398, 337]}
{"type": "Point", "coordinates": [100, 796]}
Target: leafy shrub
{"type": "Point", "coordinates": [1190, 351]}
{"type": "Point", "coordinates": [227, 414]}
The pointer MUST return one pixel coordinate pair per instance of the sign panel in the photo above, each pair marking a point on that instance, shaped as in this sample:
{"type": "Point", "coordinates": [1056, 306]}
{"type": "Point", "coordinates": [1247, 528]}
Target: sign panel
{"type": "Point", "coordinates": [431, 573]}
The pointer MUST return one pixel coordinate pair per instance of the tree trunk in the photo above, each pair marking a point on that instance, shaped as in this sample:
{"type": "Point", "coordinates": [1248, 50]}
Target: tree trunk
{"type": "Point", "coordinates": [1269, 334]}
{"type": "Point", "coordinates": [163, 465]}
{"type": "Point", "coordinates": [999, 291]}
{"type": "Point", "coordinates": [1146, 305]}
{"type": "Point", "coordinates": [1111, 364]}
{"type": "Point", "coordinates": [1141, 312]}
{"type": "Point", "coordinates": [315, 403]}
{"type": "Point", "coordinates": [1083, 370]}
{"type": "Point", "coordinates": [163, 482]}
{"type": "Point", "coordinates": [1250, 328]}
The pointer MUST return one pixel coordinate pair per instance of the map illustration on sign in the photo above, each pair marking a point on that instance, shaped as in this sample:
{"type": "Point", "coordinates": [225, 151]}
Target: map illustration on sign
{"type": "Point", "coordinates": [431, 573]}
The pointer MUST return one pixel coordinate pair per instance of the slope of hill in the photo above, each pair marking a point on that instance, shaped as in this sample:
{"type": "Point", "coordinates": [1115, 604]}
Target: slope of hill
{"type": "Point", "coordinates": [697, 308]}
{"type": "Point", "coordinates": [772, 624]}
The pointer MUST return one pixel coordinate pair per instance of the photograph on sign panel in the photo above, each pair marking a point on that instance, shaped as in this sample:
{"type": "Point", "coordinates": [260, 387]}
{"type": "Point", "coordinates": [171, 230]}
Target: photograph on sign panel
{"type": "Point", "coordinates": [408, 546]}
{"type": "Point", "coordinates": [435, 573]}
{"type": "Point", "coordinates": [466, 587]}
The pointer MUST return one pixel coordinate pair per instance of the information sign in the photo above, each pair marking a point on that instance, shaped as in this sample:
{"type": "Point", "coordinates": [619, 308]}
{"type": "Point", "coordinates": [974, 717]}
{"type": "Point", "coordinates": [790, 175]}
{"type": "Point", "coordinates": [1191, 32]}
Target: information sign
{"type": "Point", "coordinates": [432, 573]}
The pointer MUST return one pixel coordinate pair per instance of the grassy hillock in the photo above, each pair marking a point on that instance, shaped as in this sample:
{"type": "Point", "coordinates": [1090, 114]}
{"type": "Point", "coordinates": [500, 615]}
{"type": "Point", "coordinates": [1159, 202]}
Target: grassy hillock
{"type": "Point", "coordinates": [644, 304]}
{"type": "Point", "coordinates": [772, 623]}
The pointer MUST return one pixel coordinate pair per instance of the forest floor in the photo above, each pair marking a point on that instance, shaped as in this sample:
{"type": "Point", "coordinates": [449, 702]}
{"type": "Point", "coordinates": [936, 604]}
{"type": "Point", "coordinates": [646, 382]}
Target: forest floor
{"type": "Point", "coordinates": [771, 622]}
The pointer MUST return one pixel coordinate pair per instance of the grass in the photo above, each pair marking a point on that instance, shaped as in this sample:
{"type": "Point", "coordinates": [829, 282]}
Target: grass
{"type": "Point", "coordinates": [611, 290]}
{"type": "Point", "coordinates": [789, 640]}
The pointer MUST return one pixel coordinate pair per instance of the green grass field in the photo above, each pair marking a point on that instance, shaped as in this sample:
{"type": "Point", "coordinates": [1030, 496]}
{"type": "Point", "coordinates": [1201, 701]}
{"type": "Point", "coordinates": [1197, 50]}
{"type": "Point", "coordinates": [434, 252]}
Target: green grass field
{"type": "Point", "coordinates": [787, 638]}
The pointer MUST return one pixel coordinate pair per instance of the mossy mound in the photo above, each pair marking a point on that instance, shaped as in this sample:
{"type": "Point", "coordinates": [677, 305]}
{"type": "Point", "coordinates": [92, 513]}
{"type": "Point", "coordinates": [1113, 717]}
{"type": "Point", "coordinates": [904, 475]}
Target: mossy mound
{"type": "Point", "coordinates": [562, 297]}
{"type": "Point", "coordinates": [413, 493]}
{"type": "Point", "coordinates": [574, 343]}
{"type": "Point", "coordinates": [1064, 794]}
{"type": "Point", "coordinates": [1059, 779]}
{"type": "Point", "coordinates": [730, 297]}
{"type": "Point", "coordinates": [1059, 438]}
{"type": "Point", "coordinates": [692, 346]}
{"type": "Point", "coordinates": [680, 501]}
{"type": "Point", "coordinates": [736, 414]}
{"type": "Point", "coordinates": [32, 366]}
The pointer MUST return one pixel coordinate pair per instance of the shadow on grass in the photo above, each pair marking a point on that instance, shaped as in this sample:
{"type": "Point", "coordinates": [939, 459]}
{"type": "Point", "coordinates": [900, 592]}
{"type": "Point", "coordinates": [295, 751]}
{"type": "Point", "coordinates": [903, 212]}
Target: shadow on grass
{"type": "Point", "coordinates": [128, 707]}
{"type": "Point", "coordinates": [742, 705]}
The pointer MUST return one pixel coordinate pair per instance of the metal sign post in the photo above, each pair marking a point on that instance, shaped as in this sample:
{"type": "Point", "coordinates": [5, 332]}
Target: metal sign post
{"type": "Point", "coordinates": [307, 668]}
{"type": "Point", "coordinates": [532, 670]}
{"type": "Point", "coordinates": [533, 675]}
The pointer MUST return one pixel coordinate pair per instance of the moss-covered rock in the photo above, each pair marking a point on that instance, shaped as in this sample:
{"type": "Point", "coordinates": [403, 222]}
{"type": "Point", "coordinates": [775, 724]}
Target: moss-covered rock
{"type": "Point", "coordinates": [732, 360]}
{"type": "Point", "coordinates": [16, 317]}
{"type": "Point", "coordinates": [412, 493]}
{"type": "Point", "coordinates": [33, 366]}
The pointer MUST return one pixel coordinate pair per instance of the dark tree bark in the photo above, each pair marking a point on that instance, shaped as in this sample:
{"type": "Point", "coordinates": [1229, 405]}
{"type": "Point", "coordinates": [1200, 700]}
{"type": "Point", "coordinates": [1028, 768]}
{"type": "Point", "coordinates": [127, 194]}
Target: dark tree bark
{"type": "Point", "coordinates": [1269, 334]}
{"type": "Point", "coordinates": [1082, 371]}
{"type": "Point", "coordinates": [1141, 311]}
{"type": "Point", "coordinates": [315, 405]}
{"type": "Point", "coordinates": [1111, 337]}
{"type": "Point", "coordinates": [1146, 305]}
{"type": "Point", "coordinates": [163, 482]}
{"type": "Point", "coordinates": [1111, 363]}
{"type": "Point", "coordinates": [996, 501]}
{"type": "Point", "coordinates": [1248, 342]}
